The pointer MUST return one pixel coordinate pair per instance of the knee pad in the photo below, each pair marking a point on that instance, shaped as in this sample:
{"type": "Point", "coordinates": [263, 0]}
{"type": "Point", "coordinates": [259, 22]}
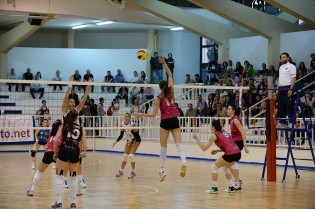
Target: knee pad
{"type": "Point", "coordinates": [125, 157]}
{"type": "Point", "coordinates": [33, 153]}
{"type": "Point", "coordinates": [214, 168]}
{"type": "Point", "coordinates": [226, 170]}
{"type": "Point", "coordinates": [73, 174]}
{"type": "Point", "coordinates": [180, 147]}
{"type": "Point", "coordinates": [235, 166]}
{"type": "Point", "coordinates": [131, 157]}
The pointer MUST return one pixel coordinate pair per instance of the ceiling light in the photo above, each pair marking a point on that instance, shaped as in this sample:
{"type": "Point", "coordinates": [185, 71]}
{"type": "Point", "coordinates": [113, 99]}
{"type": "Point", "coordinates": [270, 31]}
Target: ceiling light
{"type": "Point", "coordinates": [104, 23]}
{"type": "Point", "coordinates": [79, 26]}
{"type": "Point", "coordinates": [177, 28]}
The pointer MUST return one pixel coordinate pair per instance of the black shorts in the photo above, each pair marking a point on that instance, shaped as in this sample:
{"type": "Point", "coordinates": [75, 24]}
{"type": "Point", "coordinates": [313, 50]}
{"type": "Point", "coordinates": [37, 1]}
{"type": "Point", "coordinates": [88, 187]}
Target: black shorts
{"type": "Point", "coordinates": [48, 158]}
{"type": "Point", "coordinates": [240, 144]}
{"type": "Point", "coordinates": [136, 140]}
{"type": "Point", "coordinates": [67, 155]}
{"type": "Point", "coordinates": [42, 143]}
{"type": "Point", "coordinates": [232, 158]}
{"type": "Point", "coordinates": [170, 123]}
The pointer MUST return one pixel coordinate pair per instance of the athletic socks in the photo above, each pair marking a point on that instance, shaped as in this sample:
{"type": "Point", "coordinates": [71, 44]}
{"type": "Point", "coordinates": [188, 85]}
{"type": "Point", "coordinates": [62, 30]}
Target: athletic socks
{"type": "Point", "coordinates": [163, 155]}
{"type": "Point", "coordinates": [59, 186]}
{"type": "Point", "coordinates": [73, 182]}
{"type": "Point", "coordinates": [35, 180]}
{"type": "Point", "coordinates": [181, 152]}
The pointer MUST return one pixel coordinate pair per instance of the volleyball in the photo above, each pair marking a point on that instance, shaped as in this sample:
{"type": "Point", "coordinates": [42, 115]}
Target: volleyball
{"type": "Point", "coordinates": [142, 54]}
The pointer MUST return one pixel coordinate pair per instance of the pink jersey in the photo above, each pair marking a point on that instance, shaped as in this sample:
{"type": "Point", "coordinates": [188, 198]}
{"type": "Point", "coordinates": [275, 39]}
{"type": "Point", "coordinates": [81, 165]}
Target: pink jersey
{"type": "Point", "coordinates": [167, 108]}
{"type": "Point", "coordinates": [225, 143]}
{"type": "Point", "coordinates": [236, 134]}
{"type": "Point", "coordinates": [50, 144]}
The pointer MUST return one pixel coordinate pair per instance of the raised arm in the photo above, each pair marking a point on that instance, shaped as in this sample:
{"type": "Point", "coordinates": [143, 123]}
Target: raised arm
{"type": "Point", "coordinates": [64, 108]}
{"type": "Point", "coordinates": [86, 93]}
{"type": "Point", "coordinates": [168, 72]}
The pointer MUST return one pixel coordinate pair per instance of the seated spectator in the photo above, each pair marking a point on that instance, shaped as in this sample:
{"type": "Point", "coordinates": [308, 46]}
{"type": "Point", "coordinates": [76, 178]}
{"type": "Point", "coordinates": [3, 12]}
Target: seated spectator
{"type": "Point", "coordinates": [39, 75]}
{"type": "Point", "coordinates": [238, 69]}
{"type": "Point", "coordinates": [149, 93]}
{"type": "Point", "coordinates": [219, 111]}
{"type": "Point", "coordinates": [202, 107]}
{"type": "Point", "coordinates": [36, 87]}
{"type": "Point", "coordinates": [88, 77]}
{"type": "Point", "coordinates": [77, 78]}
{"type": "Point", "coordinates": [27, 76]}
{"type": "Point", "coordinates": [41, 111]}
{"type": "Point", "coordinates": [264, 70]}
{"type": "Point", "coordinates": [12, 76]}
{"type": "Point", "coordinates": [57, 78]}
{"type": "Point", "coordinates": [108, 79]}
{"type": "Point", "coordinates": [191, 112]}
{"type": "Point", "coordinates": [136, 108]}
{"type": "Point", "coordinates": [234, 78]}
{"type": "Point", "coordinates": [74, 96]}
{"type": "Point", "coordinates": [258, 79]}
{"type": "Point", "coordinates": [135, 78]}
{"type": "Point", "coordinates": [109, 111]}
{"type": "Point", "coordinates": [143, 77]}
{"type": "Point", "coordinates": [123, 94]}
{"type": "Point", "coordinates": [142, 97]}
{"type": "Point", "coordinates": [181, 113]}
{"type": "Point", "coordinates": [230, 67]}
{"type": "Point", "coordinates": [115, 105]}
{"type": "Point", "coordinates": [119, 78]}
{"type": "Point", "coordinates": [188, 81]}
{"type": "Point", "coordinates": [133, 94]}
{"type": "Point", "coordinates": [47, 116]}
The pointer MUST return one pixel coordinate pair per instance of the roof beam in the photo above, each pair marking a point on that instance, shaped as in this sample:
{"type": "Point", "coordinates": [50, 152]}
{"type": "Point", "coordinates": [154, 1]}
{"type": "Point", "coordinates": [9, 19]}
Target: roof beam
{"type": "Point", "coordinates": [207, 28]}
{"type": "Point", "coordinates": [256, 21]}
{"type": "Point", "coordinates": [302, 9]}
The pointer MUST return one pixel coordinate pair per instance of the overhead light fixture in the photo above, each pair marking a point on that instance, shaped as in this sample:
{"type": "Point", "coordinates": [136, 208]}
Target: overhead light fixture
{"type": "Point", "coordinates": [177, 28]}
{"type": "Point", "coordinates": [104, 23]}
{"type": "Point", "coordinates": [79, 26]}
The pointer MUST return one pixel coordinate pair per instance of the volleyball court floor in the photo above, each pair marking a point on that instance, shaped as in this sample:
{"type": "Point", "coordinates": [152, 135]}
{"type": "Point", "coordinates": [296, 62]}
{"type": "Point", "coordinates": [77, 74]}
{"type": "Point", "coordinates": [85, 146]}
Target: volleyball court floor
{"type": "Point", "coordinates": [104, 190]}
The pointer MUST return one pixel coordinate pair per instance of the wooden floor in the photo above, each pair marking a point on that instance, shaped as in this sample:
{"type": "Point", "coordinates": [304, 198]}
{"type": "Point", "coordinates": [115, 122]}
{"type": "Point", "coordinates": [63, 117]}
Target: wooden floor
{"type": "Point", "coordinates": [104, 190]}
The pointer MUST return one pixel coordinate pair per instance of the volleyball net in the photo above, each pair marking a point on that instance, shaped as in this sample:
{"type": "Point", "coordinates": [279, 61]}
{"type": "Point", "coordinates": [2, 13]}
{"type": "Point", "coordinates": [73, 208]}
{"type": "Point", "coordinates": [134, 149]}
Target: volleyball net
{"type": "Point", "coordinates": [22, 112]}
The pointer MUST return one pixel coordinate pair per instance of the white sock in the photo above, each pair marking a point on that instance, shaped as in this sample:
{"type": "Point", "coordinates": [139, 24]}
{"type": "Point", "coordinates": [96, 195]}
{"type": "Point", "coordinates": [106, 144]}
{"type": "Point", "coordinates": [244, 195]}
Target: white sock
{"type": "Point", "coordinates": [73, 188]}
{"type": "Point", "coordinates": [181, 152]}
{"type": "Point", "coordinates": [35, 180]}
{"type": "Point", "coordinates": [59, 186]}
{"type": "Point", "coordinates": [231, 183]}
{"type": "Point", "coordinates": [215, 183]}
{"type": "Point", "coordinates": [237, 183]}
{"type": "Point", "coordinates": [163, 155]}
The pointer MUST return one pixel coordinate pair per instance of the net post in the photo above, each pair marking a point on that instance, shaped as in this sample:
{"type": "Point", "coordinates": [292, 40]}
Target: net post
{"type": "Point", "coordinates": [271, 140]}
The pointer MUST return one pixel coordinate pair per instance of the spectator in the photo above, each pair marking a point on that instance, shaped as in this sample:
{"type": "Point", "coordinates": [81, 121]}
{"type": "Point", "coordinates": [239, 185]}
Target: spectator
{"type": "Point", "coordinates": [272, 70]}
{"type": "Point", "coordinates": [188, 81]}
{"type": "Point", "coordinates": [157, 68]}
{"type": "Point", "coordinates": [12, 76]}
{"type": "Point", "coordinates": [264, 70]}
{"type": "Point", "coordinates": [234, 78]}
{"type": "Point", "coordinates": [39, 75]}
{"type": "Point", "coordinates": [218, 111]}
{"type": "Point", "coordinates": [170, 63]}
{"type": "Point", "coordinates": [238, 69]}
{"type": "Point", "coordinates": [47, 116]}
{"type": "Point", "coordinates": [143, 77]}
{"type": "Point", "coordinates": [210, 104]}
{"type": "Point", "coordinates": [133, 94]}
{"type": "Point", "coordinates": [191, 112]}
{"type": "Point", "coordinates": [258, 79]}
{"type": "Point", "coordinates": [136, 108]}
{"type": "Point", "coordinates": [74, 96]}
{"type": "Point", "coordinates": [57, 78]}
{"type": "Point", "coordinates": [41, 111]}
{"type": "Point", "coordinates": [119, 78]}
{"type": "Point", "coordinates": [201, 106]}
{"type": "Point", "coordinates": [142, 96]}
{"type": "Point", "coordinates": [109, 111]}
{"type": "Point", "coordinates": [181, 113]}
{"type": "Point", "coordinates": [230, 67]}
{"type": "Point", "coordinates": [36, 87]}
{"type": "Point", "coordinates": [108, 79]}
{"type": "Point", "coordinates": [302, 67]}
{"type": "Point", "coordinates": [100, 113]}
{"type": "Point", "coordinates": [135, 78]}
{"type": "Point", "coordinates": [88, 77]}
{"type": "Point", "coordinates": [123, 94]}
{"type": "Point", "coordinates": [149, 93]}
{"type": "Point", "coordinates": [77, 78]}
{"type": "Point", "coordinates": [93, 112]}
{"type": "Point", "coordinates": [27, 76]}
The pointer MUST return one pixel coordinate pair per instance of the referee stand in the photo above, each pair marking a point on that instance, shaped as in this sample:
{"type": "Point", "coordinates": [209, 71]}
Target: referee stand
{"type": "Point", "coordinates": [289, 133]}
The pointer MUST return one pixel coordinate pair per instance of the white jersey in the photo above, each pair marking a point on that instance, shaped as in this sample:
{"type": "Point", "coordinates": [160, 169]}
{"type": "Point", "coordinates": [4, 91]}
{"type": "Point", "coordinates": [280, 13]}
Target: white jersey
{"type": "Point", "coordinates": [127, 129]}
{"type": "Point", "coordinates": [286, 73]}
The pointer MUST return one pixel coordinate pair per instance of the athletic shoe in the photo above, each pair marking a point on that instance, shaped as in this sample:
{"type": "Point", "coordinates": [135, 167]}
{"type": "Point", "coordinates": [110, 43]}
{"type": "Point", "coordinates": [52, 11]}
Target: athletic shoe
{"type": "Point", "coordinates": [65, 185]}
{"type": "Point", "coordinates": [53, 165]}
{"type": "Point", "coordinates": [57, 205]}
{"type": "Point", "coordinates": [82, 183]}
{"type": "Point", "coordinates": [230, 189]}
{"type": "Point", "coordinates": [33, 166]}
{"type": "Point", "coordinates": [237, 187]}
{"type": "Point", "coordinates": [213, 190]}
{"type": "Point", "coordinates": [29, 193]}
{"type": "Point", "coordinates": [120, 173]}
{"type": "Point", "coordinates": [162, 176]}
{"type": "Point", "coordinates": [73, 205]}
{"type": "Point", "coordinates": [183, 170]}
{"type": "Point", "coordinates": [132, 174]}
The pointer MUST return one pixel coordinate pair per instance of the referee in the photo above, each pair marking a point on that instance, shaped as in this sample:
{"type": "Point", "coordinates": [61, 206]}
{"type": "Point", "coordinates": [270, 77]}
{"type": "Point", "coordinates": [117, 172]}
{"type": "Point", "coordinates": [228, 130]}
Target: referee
{"type": "Point", "coordinates": [287, 78]}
